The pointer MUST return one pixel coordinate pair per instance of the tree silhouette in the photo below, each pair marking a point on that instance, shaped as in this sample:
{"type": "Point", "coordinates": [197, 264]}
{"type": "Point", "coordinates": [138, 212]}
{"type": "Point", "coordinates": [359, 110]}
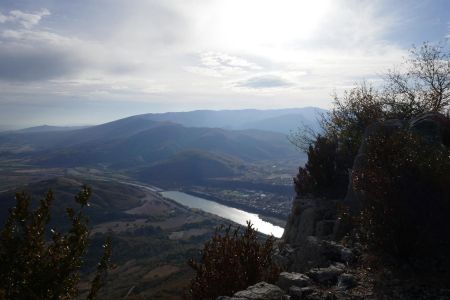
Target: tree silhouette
{"type": "Point", "coordinates": [36, 267]}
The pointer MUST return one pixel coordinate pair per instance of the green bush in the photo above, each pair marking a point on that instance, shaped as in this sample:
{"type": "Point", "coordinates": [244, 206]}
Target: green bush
{"type": "Point", "coordinates": [36, 267]}
{"type": "Point", "coordinates": [230, 262]}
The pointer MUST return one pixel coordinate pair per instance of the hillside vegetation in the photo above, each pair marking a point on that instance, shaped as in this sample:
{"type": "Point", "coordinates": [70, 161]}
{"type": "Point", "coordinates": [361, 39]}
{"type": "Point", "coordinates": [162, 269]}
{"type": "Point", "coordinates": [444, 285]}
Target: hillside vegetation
{"type": "Point", "coordinates": [190, 167]}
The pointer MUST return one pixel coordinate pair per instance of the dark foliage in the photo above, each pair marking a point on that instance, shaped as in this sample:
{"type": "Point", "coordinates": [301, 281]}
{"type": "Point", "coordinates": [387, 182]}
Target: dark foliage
{"type": "Point", "coordinates": [231, 262]}
{"type": "Point", "coordinates": [35, 267]}
{"type": "Point", "coordinates": [406, 187]}
{"type": "Point", "coordinates": [102, 270]}
{"type": "Point", "coordinates": [323, 174]}
{"type": "Point", "coordinates": [424, 87]}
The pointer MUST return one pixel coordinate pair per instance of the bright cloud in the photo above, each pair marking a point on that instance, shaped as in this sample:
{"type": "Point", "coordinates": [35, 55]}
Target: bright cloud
{"type": "Point", "coordinates": [178, 55]}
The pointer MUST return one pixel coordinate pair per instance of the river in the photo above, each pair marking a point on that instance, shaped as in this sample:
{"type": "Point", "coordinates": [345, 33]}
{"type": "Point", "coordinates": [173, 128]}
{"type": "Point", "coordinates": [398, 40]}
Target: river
{"type": "Point", "coordinates": [230, 213]}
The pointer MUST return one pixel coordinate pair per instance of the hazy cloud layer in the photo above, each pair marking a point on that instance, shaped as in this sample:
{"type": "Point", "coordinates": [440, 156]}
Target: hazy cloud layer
{"type": "Point", "coordinates": [125, 57]}
{"type": "Point", "coordinates": [27, 20]}
{"type": "Point", "coordinates": [26, 56]}
{"type": "Point", "coordinates": [264, 82]}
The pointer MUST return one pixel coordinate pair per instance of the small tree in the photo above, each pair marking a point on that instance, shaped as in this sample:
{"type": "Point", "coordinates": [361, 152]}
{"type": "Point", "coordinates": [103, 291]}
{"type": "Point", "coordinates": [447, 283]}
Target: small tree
{"type": "Point", "coordinates": [33, 267]}
{"type": "Point", "coordinates": [424, 86]}
{"type": "Point", "coordinates": [322, 174]}
{"type": "Point", "coordinates": [231, 262]}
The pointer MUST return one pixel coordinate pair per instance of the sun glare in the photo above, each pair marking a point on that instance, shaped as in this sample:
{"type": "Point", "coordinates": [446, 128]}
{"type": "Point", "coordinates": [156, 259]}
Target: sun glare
{"type": "Point", "coordinates": [268, 22]}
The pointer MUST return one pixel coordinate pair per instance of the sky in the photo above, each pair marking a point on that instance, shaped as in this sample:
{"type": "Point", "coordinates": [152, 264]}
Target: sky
{"type": "Point", "coordinates": [65, 62]}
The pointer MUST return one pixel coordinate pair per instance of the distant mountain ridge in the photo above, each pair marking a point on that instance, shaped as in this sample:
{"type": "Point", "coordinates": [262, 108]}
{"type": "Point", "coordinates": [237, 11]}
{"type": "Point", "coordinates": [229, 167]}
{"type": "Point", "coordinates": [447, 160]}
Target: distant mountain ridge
{"type": "Point", "coordinates": [159, 142]}
{"type": "Point", "coordinates": [277, 120]}
{"type": "Point", "coordinates": [49, 128]}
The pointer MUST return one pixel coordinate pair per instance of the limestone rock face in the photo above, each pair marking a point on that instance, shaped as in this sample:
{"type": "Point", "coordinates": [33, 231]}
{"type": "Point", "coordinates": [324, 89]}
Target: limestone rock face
{"type": "Point", "coordinates": [261, 291]}
{"type": "Point", "coordinates": [310, 217]}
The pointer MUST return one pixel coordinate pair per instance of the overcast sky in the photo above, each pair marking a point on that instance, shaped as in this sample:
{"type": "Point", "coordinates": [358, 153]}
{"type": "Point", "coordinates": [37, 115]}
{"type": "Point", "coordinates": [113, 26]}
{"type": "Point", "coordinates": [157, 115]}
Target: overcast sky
{"type": "Point", "coordinates": [90, 61]}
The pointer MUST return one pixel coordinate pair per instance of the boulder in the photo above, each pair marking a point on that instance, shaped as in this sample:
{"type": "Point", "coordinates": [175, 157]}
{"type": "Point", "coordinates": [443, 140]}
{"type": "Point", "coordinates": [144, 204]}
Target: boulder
{"type": "Point", "coordinates": [347, 255]}
{"type": "Point", "coordinates": [283, 255]}
{"type": "Point", "coordinates": [261, 291]}
{"type": "Point", "coordinates": [314, 252]}
{"type": "Point", "coordinates": [298, 293]}
{"type": "Point", "coordinates": [346, 281]}
{"type": "Point", "coordinates": [326, 275]}
{"type": "Point", "coordinates": [309, 254]}
{"type": "Point", "coordinates": [286, 280]}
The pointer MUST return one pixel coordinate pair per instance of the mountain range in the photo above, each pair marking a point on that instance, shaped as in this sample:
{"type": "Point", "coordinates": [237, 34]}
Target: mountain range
{"type": "Point", "coordinates": [277, 120]}
{"type": "Point", "coordinates": [208, 143]}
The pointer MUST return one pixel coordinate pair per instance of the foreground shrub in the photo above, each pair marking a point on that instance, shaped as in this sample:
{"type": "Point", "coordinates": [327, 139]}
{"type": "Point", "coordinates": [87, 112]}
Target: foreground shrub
{"type": "Point", "coordinates": [406, 188]}
{"type": "Point", "coordinates": [33, 267]}
{"type": "Point", "coordinates": [231, 261]}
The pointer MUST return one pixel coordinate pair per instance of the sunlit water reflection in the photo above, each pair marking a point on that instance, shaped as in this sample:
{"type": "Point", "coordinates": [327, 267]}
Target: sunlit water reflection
{"type": "Point", "coordinates": [230, 213]}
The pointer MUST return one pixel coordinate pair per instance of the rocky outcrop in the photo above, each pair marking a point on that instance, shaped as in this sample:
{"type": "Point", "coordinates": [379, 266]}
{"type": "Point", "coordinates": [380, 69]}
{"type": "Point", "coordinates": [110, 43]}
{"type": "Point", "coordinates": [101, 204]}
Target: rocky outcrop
{"type": "Point", "coordinates": [314, 252]}
{"type": "Point", "coordinates": [310, 217]}
{"type": "Point", "coordinates": [287, 280]}
{"type": "Point", "coordinates": [261, 291]}
{"type": "Point", "coordinates": [316, 265]}
{"type": "Point", "coordinates": [346, 281]}
{"type": "Point", "coordinates": [333, 280]}
{"type": "Point", "coordinates": [300, 293]}
{"type": "Point", "coordinates": [328, 283]}
{"type": "Point", "coordinates": [327, 275]}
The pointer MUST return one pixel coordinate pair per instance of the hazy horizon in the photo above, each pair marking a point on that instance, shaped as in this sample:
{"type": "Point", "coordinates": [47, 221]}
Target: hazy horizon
{"type": "Point", "coordinates": [4, 127]}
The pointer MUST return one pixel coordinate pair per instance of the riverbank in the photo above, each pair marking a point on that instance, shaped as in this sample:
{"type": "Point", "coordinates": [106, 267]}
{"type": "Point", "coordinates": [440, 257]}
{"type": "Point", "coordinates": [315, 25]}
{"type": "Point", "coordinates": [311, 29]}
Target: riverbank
{"type": "Point", "coordinates": [268, 216]}
{"type": "Point", "coordinates": [233, 214]}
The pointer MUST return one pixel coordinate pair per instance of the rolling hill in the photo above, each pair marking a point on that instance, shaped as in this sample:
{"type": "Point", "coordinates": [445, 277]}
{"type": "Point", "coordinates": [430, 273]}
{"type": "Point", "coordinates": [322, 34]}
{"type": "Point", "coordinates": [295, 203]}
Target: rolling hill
{"type": "Point", "coordinates": [191, 167]}
{"type": "Point", "coordinates": [108, 201]}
